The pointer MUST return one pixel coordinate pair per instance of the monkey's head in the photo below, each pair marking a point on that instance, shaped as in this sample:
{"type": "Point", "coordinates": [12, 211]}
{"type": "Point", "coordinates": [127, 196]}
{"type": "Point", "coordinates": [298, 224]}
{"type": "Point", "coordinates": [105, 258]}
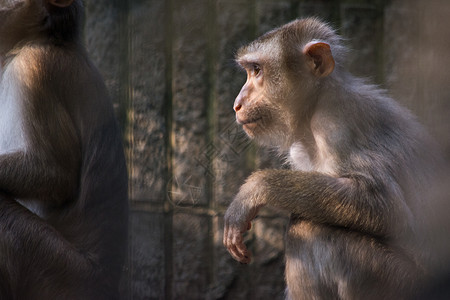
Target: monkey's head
{"type": "Point", "coordinates": [22, 21]}
{"type": "Point", "coordinates": [285, 68]}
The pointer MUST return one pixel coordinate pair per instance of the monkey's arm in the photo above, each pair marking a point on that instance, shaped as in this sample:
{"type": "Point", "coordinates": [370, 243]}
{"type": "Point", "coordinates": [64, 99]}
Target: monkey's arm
{"type": "Point", "coordinates": [26, 240]}
{"type": "Point", "coordinates": [48, 162]}
{"type": "Point", "coordinates": [48, 167]}
{"type": "Point", "coordinates": [31, 175]}
{"type": "Point", "coordinates": [357, 202]}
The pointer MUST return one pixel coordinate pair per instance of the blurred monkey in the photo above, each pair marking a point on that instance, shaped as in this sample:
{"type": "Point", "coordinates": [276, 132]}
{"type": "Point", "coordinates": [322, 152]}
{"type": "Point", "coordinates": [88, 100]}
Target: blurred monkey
{"type": "Point", "coordinates": [63, 178]}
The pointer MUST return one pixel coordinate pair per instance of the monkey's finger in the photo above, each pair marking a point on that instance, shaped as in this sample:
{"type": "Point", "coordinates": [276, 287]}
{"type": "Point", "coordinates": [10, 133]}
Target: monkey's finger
{"type": "Point", "coordinates": [228, 234]}
{"type": "Point", "coordinates": [241, 249]}
{"type": "Point", "coordinates": [236, 253]}
{"type": "Point", "coordinates": [225, 236]}
{"type": "Point", "coordinates": [233, 241]}
{"type": "Point", "coordinates": [243, 252]}
{"type": "Point", "coordinates": [231, 248]}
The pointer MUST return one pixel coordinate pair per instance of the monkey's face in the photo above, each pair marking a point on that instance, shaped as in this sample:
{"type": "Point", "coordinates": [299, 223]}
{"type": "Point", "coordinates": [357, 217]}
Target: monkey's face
{"type": "Point", "coordinates": [280, 86]}
{"type": "Point", "coordinates": [247, 105]}
{"type": "Point", "coordinates": [258, 104]}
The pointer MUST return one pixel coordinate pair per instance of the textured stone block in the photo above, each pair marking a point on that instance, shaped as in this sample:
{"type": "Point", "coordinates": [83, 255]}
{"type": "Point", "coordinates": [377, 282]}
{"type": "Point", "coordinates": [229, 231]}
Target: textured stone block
{"type": "Point", "coordinates": [148, 168]}
{"type": "Point", "coordinates": [363, 27]}
{"type": "Point", "coordinates": [104, 16]}
{"type": "Point", "coordinates": [192, 260]}
{"type": "Point", "coordinates": [328, 12]}
{"type": "Point", "coordinates": [400, 53]}
{"type": "Point", "coordinates": [435, 42]}
{"type": "Point", "coordinates": [147, 256]}
{"type": "Point", "coordinates": [190, 101]}
{"type": "Point", "coordinates": [415, 49]}
{"type": "Point", "coordinates": [271, 14]}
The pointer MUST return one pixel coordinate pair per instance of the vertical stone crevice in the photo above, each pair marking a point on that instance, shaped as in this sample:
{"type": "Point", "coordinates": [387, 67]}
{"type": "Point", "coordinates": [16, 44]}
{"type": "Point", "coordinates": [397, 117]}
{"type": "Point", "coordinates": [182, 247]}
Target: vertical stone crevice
{"type": "Point", "coordinates": [211, 108]}
{"type": "Point", "coordinates": [170, 142]}
{"type": "Point", "coordinates": [125, 121]}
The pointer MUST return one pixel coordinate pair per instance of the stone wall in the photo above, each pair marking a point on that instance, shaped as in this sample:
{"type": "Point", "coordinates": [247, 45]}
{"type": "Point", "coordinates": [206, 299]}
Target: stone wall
{"type": "Point", "coordinates": [169, 67]}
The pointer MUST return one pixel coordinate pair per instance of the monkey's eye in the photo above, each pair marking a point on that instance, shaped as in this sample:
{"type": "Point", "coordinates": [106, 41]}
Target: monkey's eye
{"type": "Point", "coordinates": [256, 70]}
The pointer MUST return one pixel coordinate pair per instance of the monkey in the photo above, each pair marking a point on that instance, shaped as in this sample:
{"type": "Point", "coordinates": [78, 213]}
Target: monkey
{"type": "Point", "coordinates": [359, 167]}
{"type": "Point", "coordinates": [63, 175]}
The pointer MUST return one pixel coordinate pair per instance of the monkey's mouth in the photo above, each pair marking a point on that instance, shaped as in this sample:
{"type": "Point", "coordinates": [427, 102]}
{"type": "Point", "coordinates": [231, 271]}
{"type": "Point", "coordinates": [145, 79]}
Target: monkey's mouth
{"type": "Point", "coordinates": [249, 122]}
{"type": "Point", "coordinates": [249, 126]}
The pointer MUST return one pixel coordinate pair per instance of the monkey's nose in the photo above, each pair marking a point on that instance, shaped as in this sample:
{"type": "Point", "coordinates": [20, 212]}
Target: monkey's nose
{"type": "Point", "coordinates": [237, 107]}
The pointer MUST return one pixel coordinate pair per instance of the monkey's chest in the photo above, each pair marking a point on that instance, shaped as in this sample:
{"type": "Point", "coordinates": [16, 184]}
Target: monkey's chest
{"type": "Point", "coordinates": [301, 159]}
{"type": "Point", "coordinates": [12, 135]}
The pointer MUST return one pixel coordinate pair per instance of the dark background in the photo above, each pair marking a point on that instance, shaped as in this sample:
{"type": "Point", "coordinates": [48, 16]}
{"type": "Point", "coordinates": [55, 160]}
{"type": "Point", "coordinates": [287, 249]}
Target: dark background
{"type": "Point", "coordinates": [169, 68]}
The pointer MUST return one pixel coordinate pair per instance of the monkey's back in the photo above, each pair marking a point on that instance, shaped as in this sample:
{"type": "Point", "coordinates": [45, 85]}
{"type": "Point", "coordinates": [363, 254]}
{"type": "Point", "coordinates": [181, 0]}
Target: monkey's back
{"type": "Point", "coordinates": [384, 145]}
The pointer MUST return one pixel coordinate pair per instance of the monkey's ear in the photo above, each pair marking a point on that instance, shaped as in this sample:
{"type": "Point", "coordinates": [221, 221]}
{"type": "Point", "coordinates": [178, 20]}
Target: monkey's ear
{"type": "Point", "coordinates": [60, 3]}
{"type": "Point", "coordinates": [319, 58]}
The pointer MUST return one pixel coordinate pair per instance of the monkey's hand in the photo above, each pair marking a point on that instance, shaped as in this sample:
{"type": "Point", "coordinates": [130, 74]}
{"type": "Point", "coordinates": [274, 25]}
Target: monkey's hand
{"type": "Point", "coordinates": [238, 220]}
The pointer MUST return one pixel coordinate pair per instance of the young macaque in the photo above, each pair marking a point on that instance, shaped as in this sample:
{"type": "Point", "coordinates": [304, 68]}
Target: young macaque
{"type": "Point", "coordinates": [360, 166]}
{"type": "Point", "coordinates": [63, 178]}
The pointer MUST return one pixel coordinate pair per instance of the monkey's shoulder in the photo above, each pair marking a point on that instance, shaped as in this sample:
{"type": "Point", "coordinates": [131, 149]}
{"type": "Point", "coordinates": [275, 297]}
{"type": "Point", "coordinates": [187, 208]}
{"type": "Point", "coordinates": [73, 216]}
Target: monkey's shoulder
{"type": "Point", "coordinates": [67, 73]}
{"type": "Point", "coordinates": [44, 62]}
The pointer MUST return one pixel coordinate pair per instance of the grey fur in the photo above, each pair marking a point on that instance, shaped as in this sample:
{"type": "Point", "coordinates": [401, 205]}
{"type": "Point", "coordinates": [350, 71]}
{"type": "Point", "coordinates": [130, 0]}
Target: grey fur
{"type": "Point", "coordinates": [359, 205]}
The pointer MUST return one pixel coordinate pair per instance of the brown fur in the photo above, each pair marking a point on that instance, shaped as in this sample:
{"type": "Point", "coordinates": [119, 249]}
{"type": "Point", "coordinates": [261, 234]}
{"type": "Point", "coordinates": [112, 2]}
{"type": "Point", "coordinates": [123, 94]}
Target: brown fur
{"type": "Point", "coordinates": [63, 178]}
{"type": "Point", "coordinates": [360, 168]}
